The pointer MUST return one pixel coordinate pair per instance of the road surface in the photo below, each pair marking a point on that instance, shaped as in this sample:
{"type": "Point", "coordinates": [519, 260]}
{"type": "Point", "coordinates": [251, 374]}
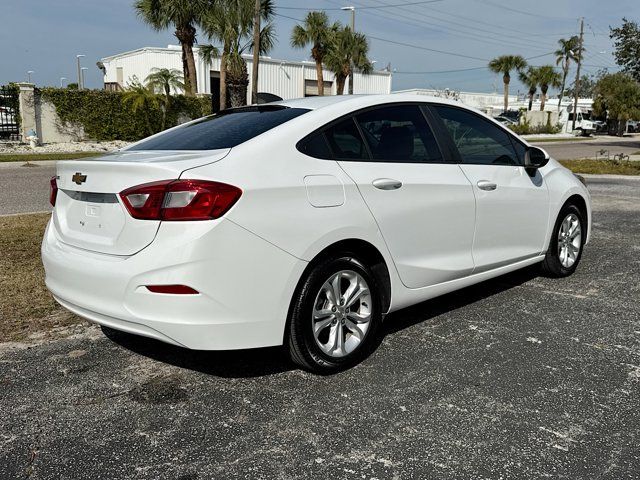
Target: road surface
{"type": "Point", "coordinates": [518, 377]}
{"type": "Point", "coordinates": [588, 148]}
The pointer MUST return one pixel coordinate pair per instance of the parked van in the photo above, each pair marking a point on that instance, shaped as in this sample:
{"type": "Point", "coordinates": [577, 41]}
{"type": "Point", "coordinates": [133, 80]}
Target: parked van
{"type": "Point", "coordinates": [584, 124]}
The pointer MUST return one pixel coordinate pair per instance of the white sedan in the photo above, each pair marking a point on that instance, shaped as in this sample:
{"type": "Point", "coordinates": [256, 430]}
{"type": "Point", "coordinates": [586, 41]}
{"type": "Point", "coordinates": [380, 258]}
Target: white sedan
{"type": "Point", "coordinates": [304, 222]}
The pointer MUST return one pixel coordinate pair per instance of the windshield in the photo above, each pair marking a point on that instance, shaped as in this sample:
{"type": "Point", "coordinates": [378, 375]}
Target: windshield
{"type": "Point", "coordinates": [222, 130]}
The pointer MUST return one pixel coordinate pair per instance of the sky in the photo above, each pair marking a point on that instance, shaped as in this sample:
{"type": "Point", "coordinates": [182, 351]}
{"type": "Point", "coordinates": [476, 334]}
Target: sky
{"type": "Point", "coordinates": [441, 44]}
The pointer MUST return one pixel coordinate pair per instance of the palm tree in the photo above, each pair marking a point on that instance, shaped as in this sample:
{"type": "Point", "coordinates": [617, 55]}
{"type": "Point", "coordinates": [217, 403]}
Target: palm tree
{"type": "Point", "coordinates": [347, 48]}
{"type": "Point", "coordinates": [316, 32]}
{"type": "Point", "coordinates": [184, 16]}
{"type": "Point", "coordinates": [547, 77]}
{"type": "Point", "coordinates": [569, 51]}
{"type": "Point", "coordinates": [141, 99]}
{"type": "Point", "coordinates": [504, 65]}
{"type": "Point", "coordinates": [530, 79]}
{"type": "Point", "coordinates": [163, 80]}
{"type": "Point", "coordinates": [231, 22]}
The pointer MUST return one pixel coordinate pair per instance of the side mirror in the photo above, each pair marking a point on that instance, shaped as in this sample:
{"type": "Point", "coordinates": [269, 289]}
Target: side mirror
{"type": "Point", "coordinates": [535, 158]}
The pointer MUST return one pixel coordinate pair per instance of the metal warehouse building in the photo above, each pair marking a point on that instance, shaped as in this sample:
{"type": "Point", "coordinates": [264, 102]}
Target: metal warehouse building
{"type": "Point", "coordinates": [284, 78]}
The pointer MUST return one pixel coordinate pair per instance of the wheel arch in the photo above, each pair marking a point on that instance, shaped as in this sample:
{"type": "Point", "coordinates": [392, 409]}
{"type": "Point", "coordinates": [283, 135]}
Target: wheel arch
{"type": "Point", "coordinates": [363, 251]}
{"type": "Point", "coordinates": [581, 204]}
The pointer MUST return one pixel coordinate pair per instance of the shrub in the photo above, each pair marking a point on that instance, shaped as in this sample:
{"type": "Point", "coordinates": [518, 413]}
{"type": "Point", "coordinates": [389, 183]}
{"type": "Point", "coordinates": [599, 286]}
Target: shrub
{"type": "Point", "coordinates": [105, 116]}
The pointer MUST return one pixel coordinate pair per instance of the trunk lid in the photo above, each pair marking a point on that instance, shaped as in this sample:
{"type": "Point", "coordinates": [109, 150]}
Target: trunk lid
{"type": "Point", "coordinates": [89, 213]}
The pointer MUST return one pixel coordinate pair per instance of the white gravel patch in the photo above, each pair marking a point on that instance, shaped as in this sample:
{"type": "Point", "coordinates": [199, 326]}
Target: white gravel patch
{"type": "Point", "coordinates": [65, 147]}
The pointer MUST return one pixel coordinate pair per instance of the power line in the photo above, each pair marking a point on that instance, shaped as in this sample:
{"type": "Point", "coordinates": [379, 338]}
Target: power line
{"type": "Point", "coordinates": [426, 48]}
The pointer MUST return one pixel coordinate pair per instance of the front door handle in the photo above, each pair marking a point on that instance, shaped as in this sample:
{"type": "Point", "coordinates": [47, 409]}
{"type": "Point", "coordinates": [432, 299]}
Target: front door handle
{"type": "Point", "coordinates": [487, 185]}
{"type": "Point", "coordinates": [387, 184]}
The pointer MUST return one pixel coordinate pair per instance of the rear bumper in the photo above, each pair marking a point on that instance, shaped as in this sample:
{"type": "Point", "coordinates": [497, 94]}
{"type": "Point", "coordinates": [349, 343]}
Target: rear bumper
{"type": "Point", "coordinates": [245, 286]}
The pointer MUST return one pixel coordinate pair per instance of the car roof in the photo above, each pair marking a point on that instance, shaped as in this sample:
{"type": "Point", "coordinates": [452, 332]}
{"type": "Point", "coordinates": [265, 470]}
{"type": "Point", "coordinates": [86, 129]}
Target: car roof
{"type": "Point", "coordinates": [361, 101]}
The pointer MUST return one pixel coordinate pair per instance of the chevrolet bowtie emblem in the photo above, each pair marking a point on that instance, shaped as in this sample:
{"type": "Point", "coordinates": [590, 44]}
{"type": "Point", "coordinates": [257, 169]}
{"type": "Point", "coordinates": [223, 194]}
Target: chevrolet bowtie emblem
{"type": "Point", "coordinates": [79, 178]}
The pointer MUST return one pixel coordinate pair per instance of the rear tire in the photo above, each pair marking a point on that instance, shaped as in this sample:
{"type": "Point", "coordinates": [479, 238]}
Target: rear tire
{"type": "Point", "coordinates": [567, 242]}
{"type": "Point", "coordinates": [335, 315]}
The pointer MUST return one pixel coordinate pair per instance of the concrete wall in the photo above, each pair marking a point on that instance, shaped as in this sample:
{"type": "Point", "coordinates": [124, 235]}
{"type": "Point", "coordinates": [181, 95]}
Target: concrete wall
{"type": "Point", "coordinates": [39, 115]}
{"type": "Point", "coordinates": [536, 118]}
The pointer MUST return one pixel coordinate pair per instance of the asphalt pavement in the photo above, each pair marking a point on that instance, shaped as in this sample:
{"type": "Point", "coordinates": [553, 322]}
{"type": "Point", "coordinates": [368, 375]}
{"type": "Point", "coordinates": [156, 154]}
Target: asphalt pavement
{"type": "Point", "coordinates": [520, 377]}
{"type": "Point", "coordinates": [591, 147]}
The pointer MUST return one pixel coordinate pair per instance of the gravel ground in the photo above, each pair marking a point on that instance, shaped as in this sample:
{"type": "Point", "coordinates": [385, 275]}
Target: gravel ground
{"type": "Point", "coordinates": [518, 377]}
{"type": "Point", "coordinates": [64, 147]}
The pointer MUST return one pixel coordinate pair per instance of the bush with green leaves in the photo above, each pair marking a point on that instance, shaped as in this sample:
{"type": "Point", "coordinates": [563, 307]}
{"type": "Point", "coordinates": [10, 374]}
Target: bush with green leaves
{"type": "Point", "coordinates": [106, 115]}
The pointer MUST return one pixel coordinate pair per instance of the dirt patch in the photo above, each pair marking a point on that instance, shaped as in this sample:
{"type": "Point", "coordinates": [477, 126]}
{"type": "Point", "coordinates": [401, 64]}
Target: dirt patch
{"type": "Point", "coordinates": [26, 306]}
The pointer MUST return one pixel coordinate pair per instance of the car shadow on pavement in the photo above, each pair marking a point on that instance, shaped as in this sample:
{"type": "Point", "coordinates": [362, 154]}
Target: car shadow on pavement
{"type": "Point", "coordinates": [267, 361]}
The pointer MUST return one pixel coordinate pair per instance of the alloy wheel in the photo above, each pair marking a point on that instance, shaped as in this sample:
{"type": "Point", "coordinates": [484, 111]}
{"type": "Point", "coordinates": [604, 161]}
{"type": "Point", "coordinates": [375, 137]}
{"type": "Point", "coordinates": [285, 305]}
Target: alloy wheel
{"type": "Point", "coordinates": [342, 313]}
{"type": "Point", "coordinates": [569, 240]}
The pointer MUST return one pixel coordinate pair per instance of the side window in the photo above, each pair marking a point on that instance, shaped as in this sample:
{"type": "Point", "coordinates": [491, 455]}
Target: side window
{"type": "Point", "coordinates": [478, 140]}
{"type": "Point", "coordinates": [345, 141]}
{"type": "Point", "coordinates": [316, 146]}
{"type": "Point", "coordinates": [399, 133]}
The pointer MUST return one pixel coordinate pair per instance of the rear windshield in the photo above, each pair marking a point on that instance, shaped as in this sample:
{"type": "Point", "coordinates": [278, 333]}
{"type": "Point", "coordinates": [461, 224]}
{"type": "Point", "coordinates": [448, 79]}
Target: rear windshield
{"type": "Point", "coordinates": [222, 130]}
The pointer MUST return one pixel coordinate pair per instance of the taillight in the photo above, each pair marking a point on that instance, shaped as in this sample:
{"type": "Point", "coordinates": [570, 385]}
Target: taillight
{"type": "Point", "coordinates": [180, 200]}
{"type": "Point", "coordinates": [53, 191]}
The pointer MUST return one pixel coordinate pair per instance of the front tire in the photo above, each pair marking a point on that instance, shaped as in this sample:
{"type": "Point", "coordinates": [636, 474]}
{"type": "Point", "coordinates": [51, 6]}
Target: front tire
{"type": "Point", "coordinates": [335, 315]}
{"type": "Point", "coordinates": [567, 242]}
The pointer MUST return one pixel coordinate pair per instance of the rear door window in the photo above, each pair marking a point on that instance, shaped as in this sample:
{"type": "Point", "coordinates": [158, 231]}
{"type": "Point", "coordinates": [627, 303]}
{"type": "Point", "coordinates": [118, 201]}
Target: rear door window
{"type": "Point", "coordinates": [399, 133]}
{"type": "Point", "coordinates": [226, 129]}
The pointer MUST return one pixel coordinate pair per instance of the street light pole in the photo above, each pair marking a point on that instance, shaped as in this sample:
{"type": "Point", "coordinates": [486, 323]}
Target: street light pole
{"type": "Point", "coordinates": [353, 29]}
{"type": "Point", "coordinates": [78, 57]}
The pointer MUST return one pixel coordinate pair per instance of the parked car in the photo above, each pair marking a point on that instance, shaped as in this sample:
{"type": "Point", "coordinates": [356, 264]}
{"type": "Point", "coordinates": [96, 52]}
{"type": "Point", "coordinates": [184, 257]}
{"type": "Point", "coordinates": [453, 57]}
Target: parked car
{"type": "Point", "coordinates": [633, 126]}
{"type": "Point", "coordinates": [506, 121]}
{"type": "Point", "coordinates": [305, 222]}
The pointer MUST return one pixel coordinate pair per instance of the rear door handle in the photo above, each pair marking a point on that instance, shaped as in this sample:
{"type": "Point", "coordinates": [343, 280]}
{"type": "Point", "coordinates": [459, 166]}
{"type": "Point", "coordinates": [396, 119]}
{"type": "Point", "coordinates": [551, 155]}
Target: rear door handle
{"type": "Point", "coordinates": [387, 183]}
{"type": "Point", "coordinates": [486, 185]}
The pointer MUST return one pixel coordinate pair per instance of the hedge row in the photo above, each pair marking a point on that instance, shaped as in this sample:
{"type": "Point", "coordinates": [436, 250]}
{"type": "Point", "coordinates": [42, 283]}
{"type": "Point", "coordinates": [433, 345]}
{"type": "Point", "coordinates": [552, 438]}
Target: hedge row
{"type": "Point", "coordinates": [105, 116]}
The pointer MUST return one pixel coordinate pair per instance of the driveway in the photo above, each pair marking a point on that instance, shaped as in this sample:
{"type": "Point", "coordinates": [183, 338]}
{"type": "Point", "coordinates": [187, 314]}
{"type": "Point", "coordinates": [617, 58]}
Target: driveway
{"type": "Point", "coordinates": [25, 189]}
{"type": "Point", "coordinates": [518, 377]}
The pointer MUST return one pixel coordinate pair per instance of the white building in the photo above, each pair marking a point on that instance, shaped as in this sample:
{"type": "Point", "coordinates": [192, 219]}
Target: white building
{"type": "Point", "coordinates": [283, 78]}
{"type": "Point", "coordinates": [493, 103]}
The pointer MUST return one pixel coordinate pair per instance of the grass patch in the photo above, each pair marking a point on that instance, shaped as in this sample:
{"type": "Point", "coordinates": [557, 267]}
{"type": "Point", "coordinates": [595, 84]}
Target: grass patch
{"type": "Point", "coordinates": [26, 306]}
{"type": "Point", "coordinates": [603, 167]}
{"type": "Point", "coordinates": [34, 157]}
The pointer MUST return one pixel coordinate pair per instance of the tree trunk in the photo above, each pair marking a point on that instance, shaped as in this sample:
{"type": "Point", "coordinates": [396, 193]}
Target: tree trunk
{"type": "Point", "coordinates": [320, 76]}
{"type": "Point", "coordinates": [223, 77]}
{"type": "Point", "coordinates": [186, 35]}
{"type": "Point", "coordinates": [565, 72]}
{"type": "Point", "coordinates": [531, 100]}
{"type": "Point", "coordinates": [340, 84]}
{"type": "Point", "coordinates": [351, 82]}
{"type": "Point", "coordinates": [256, 53]}
{"type": "Point", "coordinates": [506, 80]}
{"type": "Point", "coordinates": [543, 98]}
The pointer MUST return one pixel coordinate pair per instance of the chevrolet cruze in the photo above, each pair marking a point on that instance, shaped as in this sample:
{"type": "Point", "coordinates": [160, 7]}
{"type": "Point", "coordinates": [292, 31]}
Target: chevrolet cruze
{"type": "Point", "coordinates": [303, 223]}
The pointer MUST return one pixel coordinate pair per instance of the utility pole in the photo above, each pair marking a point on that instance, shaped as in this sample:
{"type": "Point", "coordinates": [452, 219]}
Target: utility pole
{"type": "Point", "coordinates": [78, 57]}
{"type": "Point", "coordinates": [353, 30]}
{"type": "Point", "coordinates": [256, 53]}
{"type": "Point", "coordinates": [577, 82]}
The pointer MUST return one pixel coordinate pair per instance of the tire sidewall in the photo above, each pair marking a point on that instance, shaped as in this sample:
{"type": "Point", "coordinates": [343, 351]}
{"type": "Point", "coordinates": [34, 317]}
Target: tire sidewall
{"type": "Point", "coordinates": [301, 321]}
{"type": "Point", "coordinates": [553, 245]}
